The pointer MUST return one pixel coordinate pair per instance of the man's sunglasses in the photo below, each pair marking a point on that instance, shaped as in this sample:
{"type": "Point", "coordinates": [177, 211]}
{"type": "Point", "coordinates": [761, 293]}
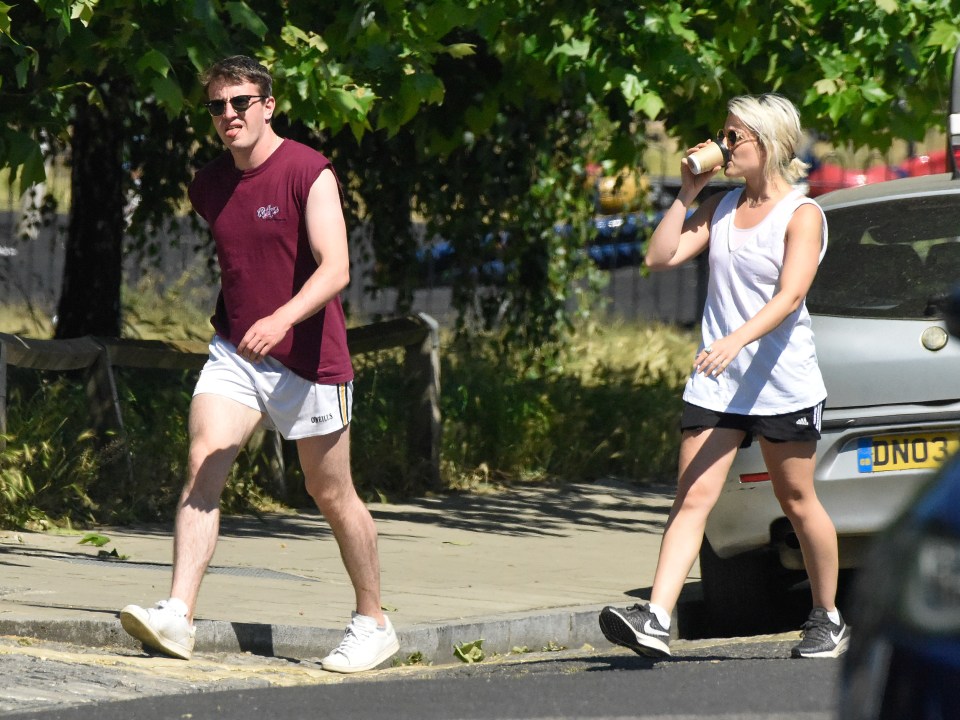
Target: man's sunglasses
{"type": "Point", "coordinates": [731, 136]}
{"type": "Point", "coordinates": [239, 103]}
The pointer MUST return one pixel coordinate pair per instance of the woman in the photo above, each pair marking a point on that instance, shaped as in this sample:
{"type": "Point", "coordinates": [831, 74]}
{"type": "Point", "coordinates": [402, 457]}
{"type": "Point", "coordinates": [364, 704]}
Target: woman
{"type": "Point", "coordinates": [756, 372]}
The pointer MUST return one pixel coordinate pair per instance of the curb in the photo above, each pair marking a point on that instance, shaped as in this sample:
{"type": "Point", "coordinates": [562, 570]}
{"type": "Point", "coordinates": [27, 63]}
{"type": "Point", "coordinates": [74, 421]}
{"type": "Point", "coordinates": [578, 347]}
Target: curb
{"type": "Point", "coordinates": [567, 627]}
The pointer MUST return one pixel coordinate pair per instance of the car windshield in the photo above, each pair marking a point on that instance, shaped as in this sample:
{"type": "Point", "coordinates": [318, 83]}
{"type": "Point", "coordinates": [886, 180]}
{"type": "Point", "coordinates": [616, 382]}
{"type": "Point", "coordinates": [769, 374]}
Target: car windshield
{"type": "Point", "coordinates": [894, 259]}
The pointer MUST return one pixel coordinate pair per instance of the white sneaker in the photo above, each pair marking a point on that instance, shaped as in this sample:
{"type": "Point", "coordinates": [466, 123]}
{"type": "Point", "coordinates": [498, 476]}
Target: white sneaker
{"type": "Point", "coordinates": [364, 646]}
{"type": "Point", "coordinates": [163, 627]}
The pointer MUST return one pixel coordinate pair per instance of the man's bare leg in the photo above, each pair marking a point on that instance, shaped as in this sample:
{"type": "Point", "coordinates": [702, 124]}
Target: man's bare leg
{"type": "Point", "coordinates": [219, 428]}
{"type": "Point", "coordinates": [325, 460]}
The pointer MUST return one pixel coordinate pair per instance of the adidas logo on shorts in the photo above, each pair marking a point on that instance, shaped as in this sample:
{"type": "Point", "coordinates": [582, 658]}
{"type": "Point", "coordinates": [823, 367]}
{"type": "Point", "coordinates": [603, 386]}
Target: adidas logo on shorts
{"type": "Point", "coordinates": [803, 421]}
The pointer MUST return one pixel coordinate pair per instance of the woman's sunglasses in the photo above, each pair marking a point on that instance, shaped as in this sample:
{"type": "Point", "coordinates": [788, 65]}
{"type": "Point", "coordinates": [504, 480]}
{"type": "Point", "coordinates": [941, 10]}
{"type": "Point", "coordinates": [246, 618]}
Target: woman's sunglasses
{"type": "Point", "coordinates": [239, 103]}
{"type": "Point", "coordinates": [731, 136]}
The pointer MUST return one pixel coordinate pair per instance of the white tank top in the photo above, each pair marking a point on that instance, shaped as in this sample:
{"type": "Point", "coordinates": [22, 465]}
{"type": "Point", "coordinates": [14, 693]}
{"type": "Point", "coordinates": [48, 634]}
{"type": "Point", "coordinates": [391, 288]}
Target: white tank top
{"type": "Point", "coordinates": [778, 373]}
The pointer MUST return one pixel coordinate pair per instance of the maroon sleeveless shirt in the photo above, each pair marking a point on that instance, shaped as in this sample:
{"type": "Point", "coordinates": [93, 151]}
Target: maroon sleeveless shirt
{"type": "Point", "coordinates": [257, 221]}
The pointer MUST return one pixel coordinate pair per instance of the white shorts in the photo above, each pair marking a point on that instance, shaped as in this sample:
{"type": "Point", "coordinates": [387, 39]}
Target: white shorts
{"type": "Point", "coordinates": [293, 405]}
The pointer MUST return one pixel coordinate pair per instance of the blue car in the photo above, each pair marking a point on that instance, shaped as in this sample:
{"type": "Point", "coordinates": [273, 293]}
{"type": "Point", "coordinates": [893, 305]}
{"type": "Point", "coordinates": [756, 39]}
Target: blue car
{"type": "Point", "coordinates": [904, 656]}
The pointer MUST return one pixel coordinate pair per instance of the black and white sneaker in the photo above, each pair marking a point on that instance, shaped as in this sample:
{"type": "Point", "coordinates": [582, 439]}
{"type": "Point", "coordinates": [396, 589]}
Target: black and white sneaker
{"type": "Point", "coordinates": [821, 637]}
{"type": "Point", "coordinates": [636, 628]}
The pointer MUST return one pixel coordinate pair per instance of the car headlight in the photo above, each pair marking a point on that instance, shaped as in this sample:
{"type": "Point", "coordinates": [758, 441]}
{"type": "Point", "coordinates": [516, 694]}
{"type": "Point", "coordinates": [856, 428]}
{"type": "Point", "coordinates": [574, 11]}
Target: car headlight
{"type": "Point", "coordinates": [931, 593]}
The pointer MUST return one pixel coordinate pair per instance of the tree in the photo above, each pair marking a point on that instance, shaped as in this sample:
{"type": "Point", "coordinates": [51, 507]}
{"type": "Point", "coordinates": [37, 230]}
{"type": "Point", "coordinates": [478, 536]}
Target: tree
{"type": "Point", "coordinates": [477, 114]}
{"type": "Point", "coordinates": [100, 78]}
{"type": "Point", "coordinates": [115, 82]}
{"type": "Point", "coordinates": [549, 84]}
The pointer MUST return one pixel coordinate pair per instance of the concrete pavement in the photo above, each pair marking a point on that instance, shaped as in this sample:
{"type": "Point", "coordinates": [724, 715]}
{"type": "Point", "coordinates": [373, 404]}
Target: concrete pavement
{"type": "Point", "coordinates": [524, 567]}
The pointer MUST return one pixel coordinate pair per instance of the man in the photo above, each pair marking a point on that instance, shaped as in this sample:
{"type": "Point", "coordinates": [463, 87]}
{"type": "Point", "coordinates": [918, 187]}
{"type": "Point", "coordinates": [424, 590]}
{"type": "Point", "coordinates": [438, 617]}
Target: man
{"type": "Point", "coordinates": [279, 357]}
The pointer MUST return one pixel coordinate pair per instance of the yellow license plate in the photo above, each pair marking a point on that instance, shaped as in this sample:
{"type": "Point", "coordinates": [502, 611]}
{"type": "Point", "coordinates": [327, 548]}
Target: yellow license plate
{"type": "Point", "coordinates": [883, 453]}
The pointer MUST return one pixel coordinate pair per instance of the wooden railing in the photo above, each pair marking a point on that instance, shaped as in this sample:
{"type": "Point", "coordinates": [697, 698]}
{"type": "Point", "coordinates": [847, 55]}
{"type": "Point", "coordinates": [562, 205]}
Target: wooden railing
{"type": "Point", "coordinates": [96, 358]}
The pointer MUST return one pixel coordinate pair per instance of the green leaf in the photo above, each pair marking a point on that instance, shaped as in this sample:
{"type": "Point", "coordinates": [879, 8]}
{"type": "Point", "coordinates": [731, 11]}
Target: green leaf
{"type": "Point", "coordinates": [469, 652]}
{"type": "Point", "coordinates": [5, 19]}
{"type": "Point", "coordinates": [839, 104]}
{"type": "Point", "coordinates": [169, 95]}
{"type": "Point", "coordinates": [344, 102]}
{"type": "Point", "coordinates": [32, 171]}
{"type": "Point", "coordinates": [827, 86]}
{"type": "Point", "coordinates": [153, 60]}
{"type": "Point", "coordinates": [650, 104]}
{"type": "Point", "coordinates": [241, 14]}
{"type": "Point", "coordinates": [945, 35]}
{"type": "Point", "coordinates": [83, 11]}
{"type": "Point", "coordinates": [95, 539]}
{"type": "Point", "coordinates": [293, 36]}
{"type": "Point", "coordinates": [632, 87]}
{"type": "Point", "coordinates": [460, 50]}
{"type": "Point", "coordinates": [22, 154]}
{"type": "Point", "coordinates": [678, 25]}
{"type": "Point", "coordinates": [874, 93]}
{"type": "Point", "coordinates": [429, 88]}
{"type": "Point", "coordinates": [21, 70]}
{"type": "Point", "coordinates": [573, 48]}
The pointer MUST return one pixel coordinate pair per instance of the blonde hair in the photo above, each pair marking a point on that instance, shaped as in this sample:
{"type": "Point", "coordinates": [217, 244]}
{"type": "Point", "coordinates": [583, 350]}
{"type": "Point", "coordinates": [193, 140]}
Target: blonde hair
{"type": "Point", "coordinates": [776, 123]}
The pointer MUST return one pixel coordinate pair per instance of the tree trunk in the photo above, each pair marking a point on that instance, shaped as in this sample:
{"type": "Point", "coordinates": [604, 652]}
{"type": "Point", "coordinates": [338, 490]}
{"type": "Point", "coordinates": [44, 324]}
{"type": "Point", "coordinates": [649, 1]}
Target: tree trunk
{"type": "Point", "coordinates": [92, 274]}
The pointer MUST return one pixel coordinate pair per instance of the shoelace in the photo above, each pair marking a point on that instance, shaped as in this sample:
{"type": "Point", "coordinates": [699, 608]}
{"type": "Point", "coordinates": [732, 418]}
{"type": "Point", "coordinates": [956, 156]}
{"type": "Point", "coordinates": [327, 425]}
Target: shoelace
{"type": "Point", "coordinates": [644, 611]}
{"type": "Point", "coordinates": [816, 630]}
{"type": "Point", "coordinates": [353, 636]}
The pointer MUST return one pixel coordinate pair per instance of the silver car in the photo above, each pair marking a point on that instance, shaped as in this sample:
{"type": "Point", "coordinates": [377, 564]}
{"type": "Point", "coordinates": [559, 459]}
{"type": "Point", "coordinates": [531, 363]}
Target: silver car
{"type": "Point", "coordinates": [893, 408]}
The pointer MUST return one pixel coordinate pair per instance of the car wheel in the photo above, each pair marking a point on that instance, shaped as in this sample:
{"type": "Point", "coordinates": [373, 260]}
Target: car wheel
{"type": "Point", "coordinates": [740, 594]}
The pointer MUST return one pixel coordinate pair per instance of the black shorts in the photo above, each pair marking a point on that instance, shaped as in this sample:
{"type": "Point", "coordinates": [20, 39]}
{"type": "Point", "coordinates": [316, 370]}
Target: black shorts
{"type": "Point", "coordinates": [802, 425]}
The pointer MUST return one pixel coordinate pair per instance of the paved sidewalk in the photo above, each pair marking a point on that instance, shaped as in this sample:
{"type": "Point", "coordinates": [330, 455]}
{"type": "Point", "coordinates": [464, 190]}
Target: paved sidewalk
{"type": "Point", "coordinates": [525, 567]}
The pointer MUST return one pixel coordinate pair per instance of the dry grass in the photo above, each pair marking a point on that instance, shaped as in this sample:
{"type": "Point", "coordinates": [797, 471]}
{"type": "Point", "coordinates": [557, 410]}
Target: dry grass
{"type": "Point", "coordinates": [645, 349]}
{"type": "Point", "coordinates": [26, 321]}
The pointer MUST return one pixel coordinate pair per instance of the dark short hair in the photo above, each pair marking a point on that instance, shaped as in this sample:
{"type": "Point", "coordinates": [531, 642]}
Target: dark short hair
{"type": "Point", "coordinates": [239, 69]}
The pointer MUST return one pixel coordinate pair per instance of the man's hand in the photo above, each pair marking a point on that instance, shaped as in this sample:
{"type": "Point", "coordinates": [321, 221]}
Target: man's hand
{"type": "Point", "coordinates": [264, 335]}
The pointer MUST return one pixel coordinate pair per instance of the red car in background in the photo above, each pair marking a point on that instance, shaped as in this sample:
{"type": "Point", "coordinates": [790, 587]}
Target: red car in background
{"type": "Point", "coordinates": [830, 176]}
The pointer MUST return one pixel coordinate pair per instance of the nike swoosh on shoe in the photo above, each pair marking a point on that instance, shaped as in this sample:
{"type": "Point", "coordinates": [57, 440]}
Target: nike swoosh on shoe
{"type": "Point", "coordinates": [649, 629]}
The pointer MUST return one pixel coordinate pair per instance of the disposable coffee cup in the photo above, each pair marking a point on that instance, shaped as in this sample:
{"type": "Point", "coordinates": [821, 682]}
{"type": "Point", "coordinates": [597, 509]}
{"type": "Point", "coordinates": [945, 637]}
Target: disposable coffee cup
{"type": "Point", "coordinates": [708, 157]}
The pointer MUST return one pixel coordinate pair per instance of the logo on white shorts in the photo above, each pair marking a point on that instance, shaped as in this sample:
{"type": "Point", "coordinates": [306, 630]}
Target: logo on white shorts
{"type": "Point", "coordinates": [321, 419]}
